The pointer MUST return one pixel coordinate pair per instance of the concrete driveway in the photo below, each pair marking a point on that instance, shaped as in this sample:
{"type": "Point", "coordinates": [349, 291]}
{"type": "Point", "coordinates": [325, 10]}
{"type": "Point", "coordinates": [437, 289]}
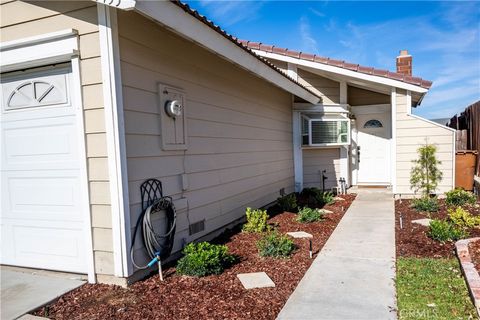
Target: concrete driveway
{"type": "Point", "coordinates": [24, 290]}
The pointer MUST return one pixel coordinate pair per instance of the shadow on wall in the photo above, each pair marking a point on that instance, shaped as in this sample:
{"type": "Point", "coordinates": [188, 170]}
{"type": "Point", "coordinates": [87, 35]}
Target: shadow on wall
{"type": "Point", "coordinates": [315, 161]}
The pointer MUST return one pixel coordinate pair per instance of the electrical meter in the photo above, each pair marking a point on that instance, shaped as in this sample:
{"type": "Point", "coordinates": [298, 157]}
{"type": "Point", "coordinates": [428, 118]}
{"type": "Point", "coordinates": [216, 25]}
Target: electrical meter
{"type": "Point", "coordinates": [173, 108]}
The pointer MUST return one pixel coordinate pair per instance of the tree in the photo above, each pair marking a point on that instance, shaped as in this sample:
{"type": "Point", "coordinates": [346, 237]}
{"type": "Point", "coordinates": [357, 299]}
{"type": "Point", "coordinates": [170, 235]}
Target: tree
{"type": "Point", "coordinates": [425, 175]}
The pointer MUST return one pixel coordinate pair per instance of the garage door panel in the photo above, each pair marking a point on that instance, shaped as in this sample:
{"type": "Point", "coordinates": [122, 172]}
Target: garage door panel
{"type": "Point", "coordinates": [50, 196]}
{"type": "Point", "coordinates": [42, 194]}
{"type": "Point", "coordinates": [49, 143]}
{"type": "Point", "coordinates": [45, 247]}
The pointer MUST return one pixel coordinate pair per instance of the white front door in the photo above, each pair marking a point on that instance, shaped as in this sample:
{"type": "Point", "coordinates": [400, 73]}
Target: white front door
{"type": "Point", "coordinates": [42, 214]}
{"type": "Point", "coordinates": [373, 147]}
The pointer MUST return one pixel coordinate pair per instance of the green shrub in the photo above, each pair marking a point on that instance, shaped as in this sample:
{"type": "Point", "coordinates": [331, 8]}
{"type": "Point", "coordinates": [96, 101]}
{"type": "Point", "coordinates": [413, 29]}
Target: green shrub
{"type": "Point", "coordinates": [462, 218]}
{"type": "Point", "coordinates": [275, 245]}
{"type": "Point", "coordinates": [459, 197]}
{"type": "Point", "coordinates": [256, 220]}
{"type": "Point", "coordinates": [288, 202]}
{"type": "Point", "coordinates": [425, 174]}
{"type": "Point", "coordinates": [202, 259]}
{"type": "Point", "coordinates": [443, 231]}
{"type": "Point", "coordinates": [306, 215]}
{"type": "Point", "coordinates": [426, 204]}
{"type": "Point", "coordinates": [328, 197]}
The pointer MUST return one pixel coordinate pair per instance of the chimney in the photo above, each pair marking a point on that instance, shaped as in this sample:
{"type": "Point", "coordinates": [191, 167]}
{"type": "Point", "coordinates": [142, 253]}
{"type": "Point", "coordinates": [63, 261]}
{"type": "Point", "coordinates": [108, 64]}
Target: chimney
{"type": "Point", "coordinates": [404, 63]}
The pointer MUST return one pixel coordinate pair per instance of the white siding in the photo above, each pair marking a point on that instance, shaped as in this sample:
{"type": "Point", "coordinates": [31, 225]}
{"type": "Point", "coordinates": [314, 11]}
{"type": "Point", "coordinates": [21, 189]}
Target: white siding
{"type": "Point", "coordinates": [412, 133]}
{"type": "Point", "coordinates": [317, 160]}
{"type": "Point", "coordinates": [239, 129]}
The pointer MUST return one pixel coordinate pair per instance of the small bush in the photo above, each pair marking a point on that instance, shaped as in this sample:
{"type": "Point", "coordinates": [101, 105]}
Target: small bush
{"type": "Point", "coordinates": [459, 197]}
{"type": "Point", "coordinates": [256, 220]}
{"type": "Point", "coordinates": [275, 245]}
{"type": "Point", "coordinates": [426, 204]}
{"type": "Point", "coordinates": [443, 231]}
{"type": "Point", "coordinates": [462, 218]}
{"type": "Point", "coordinates": [306, 215]}
{"type": "Point", "coordinates": [288, 202]}
{"type": "Point", "coordinates": [202, 259]}
{"type": "Point", "coordinates": [328, 197]}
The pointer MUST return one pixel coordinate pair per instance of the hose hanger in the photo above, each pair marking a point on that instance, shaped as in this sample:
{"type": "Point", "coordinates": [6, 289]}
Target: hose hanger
{"type": "Point", "coordinates": [157, 245]}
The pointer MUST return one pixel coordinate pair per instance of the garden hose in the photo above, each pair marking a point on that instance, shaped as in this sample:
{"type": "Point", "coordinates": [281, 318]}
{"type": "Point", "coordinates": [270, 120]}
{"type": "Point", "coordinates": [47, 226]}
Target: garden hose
{"type": "Point", "coordinates": [153, 241]}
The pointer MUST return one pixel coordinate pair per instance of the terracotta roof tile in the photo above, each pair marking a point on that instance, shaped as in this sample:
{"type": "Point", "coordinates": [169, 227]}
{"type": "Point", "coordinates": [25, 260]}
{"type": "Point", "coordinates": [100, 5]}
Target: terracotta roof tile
{"type": "Point", "coordinates": [301, 55]}
{"type": "Point", "coordinates": [341, 64]}
{"type": "Point", "coordinates": [307, 56]}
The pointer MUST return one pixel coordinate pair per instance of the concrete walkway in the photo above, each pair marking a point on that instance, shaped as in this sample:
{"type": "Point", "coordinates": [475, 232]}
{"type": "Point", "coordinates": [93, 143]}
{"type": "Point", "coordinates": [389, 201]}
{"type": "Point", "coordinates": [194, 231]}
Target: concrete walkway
{"type": "Point", "coordinates": [353, 276]}
{"type": "Point", "coordinates": [24, 290]}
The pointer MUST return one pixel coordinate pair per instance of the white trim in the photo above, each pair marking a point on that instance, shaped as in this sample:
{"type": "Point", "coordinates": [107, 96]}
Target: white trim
{"type": "Point", "coordinates": [343, 92]}
{"type": "Point", "coordinates": [393, 145]}
{"type": "Point", "coordinates": [36, 51]}
{"type": "Point", "coordinates": [31, 41]}
{"type": "Point", "coordinates": [121, 4]}
{"type": "Point", "coordinates": [431, 122]}
{"type": "Point", "coordinates": [344, 164]}
{"type": "Point", "coordinates": [297, 150]}
{"type": "Point", "coordinates": [307, 107]}
{"type": "Point", "coordinates": [454, 158]}
{"type": "Point", "coordinates": [353, 152]}
{"type": "Point", "coordinates": [343, 71]}
{"type": "Point", "coordinates": [114, 122]}
{"type": "Point", "coordinates": [292, 71]}
{"type": "Point", "coordinates": [187, 26]}
{"type": "Point", "coordinates": [78, 103]}
{"type": "Point", "coordinates": [409, 102]}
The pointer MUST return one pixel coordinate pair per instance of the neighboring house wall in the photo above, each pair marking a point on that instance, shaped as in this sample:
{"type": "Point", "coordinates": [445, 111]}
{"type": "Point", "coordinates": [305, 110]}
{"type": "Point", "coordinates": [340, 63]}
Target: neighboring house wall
{"type": "Point", "coordinates": [412, 133]}
{"type": "Point", "coordinates": [239, 129]}
{"type": "Point", "coordinates": [327, 89]}
{"type": "Point", "coordinates": [25, 19]}
{"type": "Point", "coordinates": [362, 97]}
{"type": "Point", "coordinates": [317, 160]}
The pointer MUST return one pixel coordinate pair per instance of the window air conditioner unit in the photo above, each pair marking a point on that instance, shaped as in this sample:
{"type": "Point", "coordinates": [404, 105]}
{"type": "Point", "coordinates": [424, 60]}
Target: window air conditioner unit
{"type": "Point", "coordinates": [320, 130]}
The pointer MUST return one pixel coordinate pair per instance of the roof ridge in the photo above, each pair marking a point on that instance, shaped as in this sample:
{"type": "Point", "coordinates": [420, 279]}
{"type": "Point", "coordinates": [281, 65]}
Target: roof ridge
{"type": "Point", "coordinates": [336, 63]}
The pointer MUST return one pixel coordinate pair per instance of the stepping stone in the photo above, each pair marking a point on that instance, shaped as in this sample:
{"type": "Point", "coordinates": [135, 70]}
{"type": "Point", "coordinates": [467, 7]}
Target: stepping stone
{"type": "Point", "coordinates": [255, 280]}
{"type": "Point", "coordinates": [324, 211]}
{"type": "Point", "coordinates": [338, 199]}
{"type": "Point", "coordinates": [424, 222]}
{"type": "Point", "coordinates": [299, 234]}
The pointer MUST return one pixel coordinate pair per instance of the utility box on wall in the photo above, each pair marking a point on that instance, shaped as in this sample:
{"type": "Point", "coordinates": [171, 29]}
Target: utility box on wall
{"type": "Point", "coordinates": [172, 117]}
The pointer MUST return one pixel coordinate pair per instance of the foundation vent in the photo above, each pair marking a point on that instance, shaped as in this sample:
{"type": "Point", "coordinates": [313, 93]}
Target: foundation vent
{"type": "Point", "coordinates": [197, 227]}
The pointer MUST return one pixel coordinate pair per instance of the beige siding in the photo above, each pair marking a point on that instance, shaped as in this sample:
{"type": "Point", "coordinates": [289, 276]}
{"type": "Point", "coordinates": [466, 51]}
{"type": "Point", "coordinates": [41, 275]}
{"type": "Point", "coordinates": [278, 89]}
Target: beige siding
{"type": "Point", "coordinates": [327, 89]}
{"type": "Point", "coordinates": [20, 19]}
{"type": "Point", "coordinates": [362, 97]}
{"type": "Point", "coordinates": [412, 133]}
{"type": "Point", "coordinates": [239, 129]}
{"type": "Point", "coordinates": [317, 160]}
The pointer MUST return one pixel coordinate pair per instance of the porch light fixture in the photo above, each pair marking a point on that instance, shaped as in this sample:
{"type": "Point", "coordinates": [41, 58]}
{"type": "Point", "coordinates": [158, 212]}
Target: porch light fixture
{"type": "Point", "coordinates": [321, 130]}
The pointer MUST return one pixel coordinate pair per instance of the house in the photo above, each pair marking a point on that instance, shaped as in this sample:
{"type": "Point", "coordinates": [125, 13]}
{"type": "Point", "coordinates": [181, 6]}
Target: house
{"type": "Point", "coordinates": [97, 97]}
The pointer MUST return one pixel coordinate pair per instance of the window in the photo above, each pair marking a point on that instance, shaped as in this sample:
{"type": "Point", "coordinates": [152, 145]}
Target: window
{"type": "Point", "coordinates": [323, 130]}
{"type": "Point", "coordinates": [373, 123]}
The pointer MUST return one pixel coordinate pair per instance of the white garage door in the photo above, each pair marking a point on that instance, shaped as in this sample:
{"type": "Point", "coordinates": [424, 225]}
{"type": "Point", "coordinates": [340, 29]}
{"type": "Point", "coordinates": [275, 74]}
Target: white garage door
{"type": "Point", "coordinates": [42, 214]}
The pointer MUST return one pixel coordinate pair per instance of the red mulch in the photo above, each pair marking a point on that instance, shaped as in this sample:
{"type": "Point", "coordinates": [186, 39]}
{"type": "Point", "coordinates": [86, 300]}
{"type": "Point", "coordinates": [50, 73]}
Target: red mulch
{"type": "Point", "coordinates": [474, 250]}
{"type": "Point", "coordinates": [213, 297]}
{"type": "Point", "coordinates": [413, 240]}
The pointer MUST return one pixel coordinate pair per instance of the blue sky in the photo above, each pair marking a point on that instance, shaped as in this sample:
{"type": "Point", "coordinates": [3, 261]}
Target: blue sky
{"type": "Point", "coordinates": [443, 38]}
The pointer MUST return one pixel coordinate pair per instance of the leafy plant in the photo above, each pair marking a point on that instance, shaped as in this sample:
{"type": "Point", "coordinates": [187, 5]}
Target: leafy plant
{"type": "Point", "coordinates": [459, 197]}
{"type": "Point", "coordinates": [444, 231]}
{"type": "Point", "coordinates": [426, 204]}
{"type": "Point", "coordinates": [462, 218]}
{"type": "Point", "coordinates": [202, 259]}
{"type": "Point", "coordinates": [275, 245]}
{"type": "Point", "coordinates": [328, 197]}
{"type": "Point", "coordinates": [306, 215]}
{"type": "Point", "coordinates": [256, 220]}
{"type": "Point", "coordinates": [288, 202]}
{"type": "Point", "coordinates": [314, 197]}
{"type": "Point", "coordinates": [425, 174]}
